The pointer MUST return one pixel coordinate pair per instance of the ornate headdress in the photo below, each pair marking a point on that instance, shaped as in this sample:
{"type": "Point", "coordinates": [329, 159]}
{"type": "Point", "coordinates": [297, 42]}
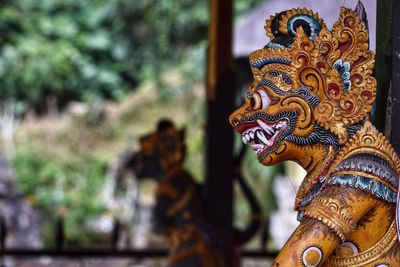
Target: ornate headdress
{"type": "Point", "coordinates": [335, 65]}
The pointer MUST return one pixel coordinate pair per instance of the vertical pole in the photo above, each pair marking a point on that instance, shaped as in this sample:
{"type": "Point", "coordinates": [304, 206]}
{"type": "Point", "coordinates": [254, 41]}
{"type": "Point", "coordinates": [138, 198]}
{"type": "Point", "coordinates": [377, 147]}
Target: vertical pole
{"type": "Point", "coordinates": [60, 234]}
{"type": "Point", "coordinates": [383, 61]}
{"type": "Point", "coordinates": [3, 236]}
{"type": "Point", "coordinates": [220, 103]}
{"type": "Point", "coordinates": [115, 234]}
{"type": "Point", "coordinates": [394, 97]}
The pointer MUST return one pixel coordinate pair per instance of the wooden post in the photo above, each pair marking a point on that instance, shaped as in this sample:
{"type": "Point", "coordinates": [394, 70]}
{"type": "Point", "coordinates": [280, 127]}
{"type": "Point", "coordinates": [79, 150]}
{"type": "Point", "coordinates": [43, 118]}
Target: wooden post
{"type": "Point", "coordinates": [220, 103]}
{"type": "Point", "coordinates": [383, 61]}
{"type": "Point", "coordinates": [3, 236]}
{"type": "Point", "coordinates": [115, 234]}
{"type": "Point", "coordinates": [59, 233]}
{"type": "Point", "coordinates": [393, 120]}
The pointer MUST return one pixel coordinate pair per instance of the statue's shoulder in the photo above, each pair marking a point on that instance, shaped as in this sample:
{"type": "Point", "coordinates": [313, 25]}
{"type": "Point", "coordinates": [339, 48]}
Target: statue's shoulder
{"type": "Point", "coordinates": [367, 162]}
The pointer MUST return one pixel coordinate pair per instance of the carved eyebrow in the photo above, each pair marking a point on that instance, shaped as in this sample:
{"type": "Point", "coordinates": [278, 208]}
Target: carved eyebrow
{"type": "Point", "coordinates": [310, 98]}
{"type": "Point", "coordinates": [262, 62]}
{"type": "Point", "coordinates": [272, 86]}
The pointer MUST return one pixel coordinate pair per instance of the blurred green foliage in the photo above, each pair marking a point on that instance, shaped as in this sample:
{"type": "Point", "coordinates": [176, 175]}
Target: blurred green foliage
{"type": "Point", "coordinates": [90, 50]}
{"type": "Point", "coordinates": [56, 189]}
{"type": "Point", "coordinates": [243, 6]}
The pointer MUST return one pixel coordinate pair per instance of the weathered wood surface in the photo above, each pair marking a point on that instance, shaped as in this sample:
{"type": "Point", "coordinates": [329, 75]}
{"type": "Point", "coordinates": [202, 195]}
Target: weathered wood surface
{"type": "Point", "coordinates": [395, 85]}
{"type": "Point", "coordinates": [383, 61]}
{"type": "Point", "coordinates": [220, 103]}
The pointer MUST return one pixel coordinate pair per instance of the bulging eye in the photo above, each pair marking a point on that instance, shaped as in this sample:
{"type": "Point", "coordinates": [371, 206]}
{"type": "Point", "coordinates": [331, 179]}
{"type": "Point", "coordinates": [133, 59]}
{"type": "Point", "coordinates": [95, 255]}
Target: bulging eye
{"type": "Point", "coordinates": [286, 79]}
{"type": "Point", "coordinates": [274, 73]}
{"type": "Point", "coordinates": [255, 101]}
{"type": "Point", "coordinates": [260, 100]}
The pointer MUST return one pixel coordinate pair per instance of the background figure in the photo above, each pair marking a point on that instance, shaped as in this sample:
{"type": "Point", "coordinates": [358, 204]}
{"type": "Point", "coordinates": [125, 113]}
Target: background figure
{"type": "Point", "coordinates": [178, 213]}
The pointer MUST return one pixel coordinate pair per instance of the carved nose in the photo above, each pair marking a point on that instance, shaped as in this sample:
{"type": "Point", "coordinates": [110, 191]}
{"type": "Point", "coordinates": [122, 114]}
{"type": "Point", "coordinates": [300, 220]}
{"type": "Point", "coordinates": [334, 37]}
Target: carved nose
{"type": "Point", "coordinates": [234, 119]}
{"type": "Point", "coordinates": [235, 122]}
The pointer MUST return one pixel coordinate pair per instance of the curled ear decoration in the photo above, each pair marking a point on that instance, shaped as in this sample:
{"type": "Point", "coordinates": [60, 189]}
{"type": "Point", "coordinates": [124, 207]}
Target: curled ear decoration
{"type": "Point", "coordinates": [351, 88]}
{"type": "Point", "coordinates": [282, 27]}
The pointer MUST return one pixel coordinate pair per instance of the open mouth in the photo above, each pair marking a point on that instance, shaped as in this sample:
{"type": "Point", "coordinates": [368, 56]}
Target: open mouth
{"type": "Point", "coordinates": [262, 136]}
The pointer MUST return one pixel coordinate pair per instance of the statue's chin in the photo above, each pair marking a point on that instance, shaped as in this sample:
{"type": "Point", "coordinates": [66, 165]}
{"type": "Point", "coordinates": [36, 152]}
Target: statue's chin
{"type": "Point", "coordinates": [270, 160]}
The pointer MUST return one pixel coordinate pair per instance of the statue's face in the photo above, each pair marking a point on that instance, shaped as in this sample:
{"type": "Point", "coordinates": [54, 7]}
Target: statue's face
{"type": "Point", "coordinates": [158, 152]}
{"type": "Point", "coordinates": [311, 88]}
{"type": "Point", "coordinates": [276, 111]}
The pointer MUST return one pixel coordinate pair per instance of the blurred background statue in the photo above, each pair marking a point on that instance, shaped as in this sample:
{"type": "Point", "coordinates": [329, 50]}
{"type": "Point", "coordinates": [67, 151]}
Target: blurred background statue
{"type": "Point", "coordinates": [179, 212]}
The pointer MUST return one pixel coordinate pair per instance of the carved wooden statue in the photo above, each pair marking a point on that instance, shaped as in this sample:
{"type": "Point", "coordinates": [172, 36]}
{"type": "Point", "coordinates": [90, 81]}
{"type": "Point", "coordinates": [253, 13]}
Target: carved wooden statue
{"type": "Point", "coordinates": [310, 100]}
{"type": "Point", "coordinates": [179, 212]}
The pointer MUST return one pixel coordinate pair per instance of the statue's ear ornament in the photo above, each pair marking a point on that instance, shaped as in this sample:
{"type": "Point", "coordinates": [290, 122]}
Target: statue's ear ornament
{"type": "Point", "coordinates": [336, 65]}
{"type": "Point", "coordinates": [284, 25]}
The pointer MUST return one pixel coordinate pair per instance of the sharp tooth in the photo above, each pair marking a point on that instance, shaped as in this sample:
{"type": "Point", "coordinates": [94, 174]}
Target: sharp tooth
{"type": "Point", "coordinates": [244, 139]}
{"type": "Point", "coordinates": [266, 127]}
{"type": "Point", "coordinates": [247, 137]}
{"type": "Point", "coordinates": [251, 135]}
{"type": "Point", "coordinates": [281, 125]}
{"type": "Point", "coordinates": [262, 137]}
{"type": "Point", "coordinates": [270, 142]}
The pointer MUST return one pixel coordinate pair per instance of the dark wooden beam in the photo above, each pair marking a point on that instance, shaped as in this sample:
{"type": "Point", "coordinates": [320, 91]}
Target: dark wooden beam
{"type": "Point", "coordinates": [220, 103]}
{"type": "Point", "coordinates": [393, 120]}
{"type": "Point", "coordinates": [383, 61]}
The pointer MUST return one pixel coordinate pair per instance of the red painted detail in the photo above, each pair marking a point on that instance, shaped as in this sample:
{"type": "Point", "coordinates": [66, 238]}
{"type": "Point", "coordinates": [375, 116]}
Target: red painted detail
{"type": "Point", "coordinates": [333, 89]}
{"type": "Point", "coordinates": [366, 94]}
{"type": "Point", "coordinates": [356, 78]}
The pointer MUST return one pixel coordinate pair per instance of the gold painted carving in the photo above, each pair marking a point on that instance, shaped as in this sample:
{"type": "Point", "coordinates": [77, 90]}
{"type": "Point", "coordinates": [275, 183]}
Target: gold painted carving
{"type": "Point", "coordinates": [326, 94]}
{"type": "Point", "coordinates": [370, 255]}
{"type": "Point", "coordinates": [314, 62]}
{"type": "Point", "coordinates": [317, 174]}
{"type": "Point", "coordinates": [368, 140]}
{"type": "Point", "coordinates": [331, 213]}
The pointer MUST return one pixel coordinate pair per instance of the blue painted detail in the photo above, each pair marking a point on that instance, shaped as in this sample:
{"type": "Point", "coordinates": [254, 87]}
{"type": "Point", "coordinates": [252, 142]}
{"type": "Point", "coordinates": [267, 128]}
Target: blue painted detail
{"type": "Point", "coordinates": [249, 95]}
{"type": "Point", "coordinates": [300, 216]}
{"type": "Point", "coordinates": [303, 91]}
{"type": "Point", "coordinates": [371, 164]}
{"type": "Point", "coordinates": [314, 24]}
{"type": "Point", "coordinates": [313, 193]}
{"type": "Point", "coordinates": [286, 79]}
{"type": "Point", "coordinates": [366, 184]}
{"type": "Point", "coordinates": [271, 85]}
{"type": "Point", "coordinates": [262, 62]}
{"type": "Point", "coordinates": [318, 135]}
{"type": "Point", "coordinates": [312, 99]}
{"type": "Point", "coordinates": [344, 70]}
{"type": "Point", "coordinates": [274, 45]}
